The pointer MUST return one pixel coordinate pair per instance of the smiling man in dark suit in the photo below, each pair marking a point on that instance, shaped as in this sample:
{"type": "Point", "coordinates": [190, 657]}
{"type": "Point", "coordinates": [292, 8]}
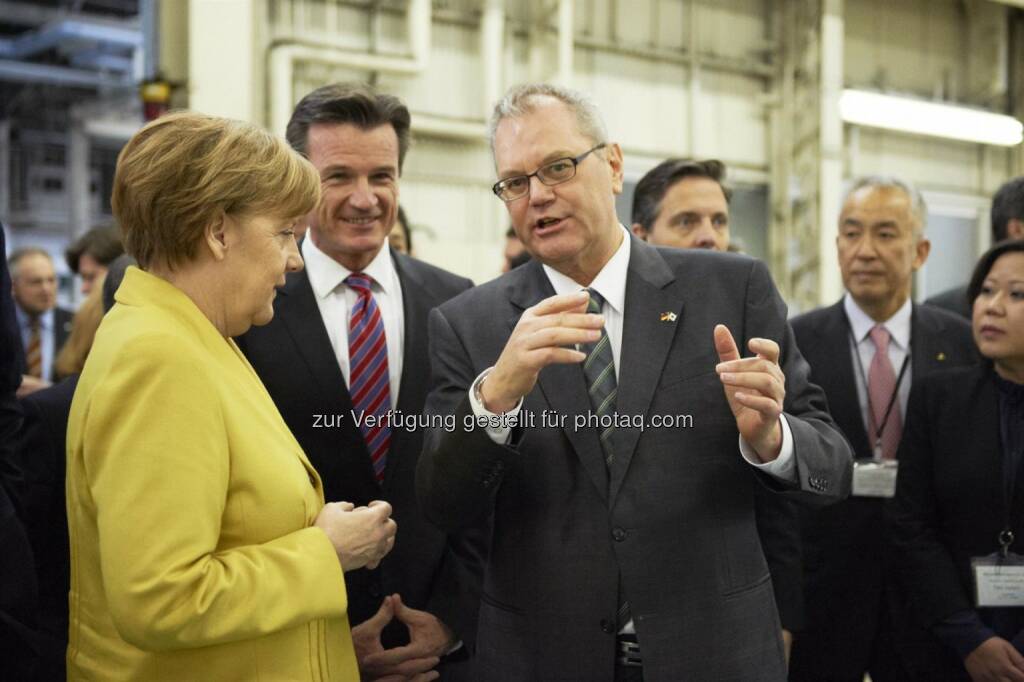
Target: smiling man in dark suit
{"type": "Point", "coordinates": [866, 351]}
{"type": "Point", "coordinates": [348, 340]}
{"type": "Point", "coordinates": [620, 550]}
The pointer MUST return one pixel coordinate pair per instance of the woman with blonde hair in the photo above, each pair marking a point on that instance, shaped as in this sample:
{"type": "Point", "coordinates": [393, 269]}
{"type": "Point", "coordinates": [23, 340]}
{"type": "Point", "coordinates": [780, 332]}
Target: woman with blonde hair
{"type": "Point", "coordinates": [201, 547]}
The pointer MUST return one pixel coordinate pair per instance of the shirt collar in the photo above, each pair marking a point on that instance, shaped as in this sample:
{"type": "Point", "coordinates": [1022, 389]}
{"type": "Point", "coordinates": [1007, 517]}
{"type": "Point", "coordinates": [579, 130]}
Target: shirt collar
{"type": "Point", "coordinates": [326, 274]}
{"type": "Point", "coordinates": [610, 281]}
{"type": "Point", "coordinates": [45, 320]}
{"type": "Point", "coordinates": [861, 323]}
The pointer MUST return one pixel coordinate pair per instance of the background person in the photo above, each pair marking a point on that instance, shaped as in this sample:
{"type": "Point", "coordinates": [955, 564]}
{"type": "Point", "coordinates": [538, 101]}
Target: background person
{"type": "Point", "coordinates": [1007, 223]}
{"type": "Point", "coordinates": [92, 253]}
{"type": "Point", "coordinates": [867, 351]}
{"type": "Point", "coordinates": [44, 326]}
{"type": "Point", "coordinates": [961, 485]}
{"type": "Point", "coordinates": [201, 546]}
{"type": "Point", "coordinates": [682, 203]}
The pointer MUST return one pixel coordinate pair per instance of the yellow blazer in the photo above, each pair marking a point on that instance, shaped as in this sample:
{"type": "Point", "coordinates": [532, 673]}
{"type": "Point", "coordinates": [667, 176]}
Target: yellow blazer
{"type": "Point", "coordinates": [190, 508]}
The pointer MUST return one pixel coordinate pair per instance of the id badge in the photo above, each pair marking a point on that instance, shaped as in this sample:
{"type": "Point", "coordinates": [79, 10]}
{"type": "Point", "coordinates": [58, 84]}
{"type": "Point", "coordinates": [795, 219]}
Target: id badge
{"type": "Point", "coordinates": [874, 478]}
{"type": "Point", "coordinates": [999, 580]}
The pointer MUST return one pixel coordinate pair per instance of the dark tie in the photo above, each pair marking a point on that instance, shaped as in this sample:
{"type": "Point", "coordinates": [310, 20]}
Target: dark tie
{"type": "Point", "coordinates": [599, 370]}
{"type": "Point", "coordinates": [34, 351]}
{"type": "Point", "coordinates": [882, 391]}
{"type": "Point", "coordinates": [369, 382]}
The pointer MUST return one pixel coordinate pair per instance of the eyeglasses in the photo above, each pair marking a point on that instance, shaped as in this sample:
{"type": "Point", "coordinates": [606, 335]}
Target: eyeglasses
{"type": "Point", "coordinates": [552, 173]}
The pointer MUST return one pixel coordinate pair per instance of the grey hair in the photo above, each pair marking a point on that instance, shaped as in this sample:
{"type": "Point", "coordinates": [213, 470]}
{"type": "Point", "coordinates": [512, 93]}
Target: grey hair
{"type": "Point", "coordinates": [917, 205]}
{"type": "Point", "coordinates": [522, 99]}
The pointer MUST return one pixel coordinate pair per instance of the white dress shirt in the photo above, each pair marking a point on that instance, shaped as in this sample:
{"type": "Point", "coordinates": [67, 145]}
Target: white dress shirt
{"type": "Point", "coordinates": [610, 282]}
{"type": "Point", "coordinates": [898, 327]}
{"type": "Point", "coordinates": [47, 338]}
{"type": "Point", "coordinates": [335, 300]}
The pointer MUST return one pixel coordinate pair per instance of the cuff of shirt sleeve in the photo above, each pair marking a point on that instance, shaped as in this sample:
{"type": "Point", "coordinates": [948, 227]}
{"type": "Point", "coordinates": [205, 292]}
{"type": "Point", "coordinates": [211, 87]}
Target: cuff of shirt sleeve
{"type": "Point", "coordinates": [501, 435]}
{"type": "Point", "coordinates": [782, 467]}
{"type": "Point", "coordinates": [963, 632]}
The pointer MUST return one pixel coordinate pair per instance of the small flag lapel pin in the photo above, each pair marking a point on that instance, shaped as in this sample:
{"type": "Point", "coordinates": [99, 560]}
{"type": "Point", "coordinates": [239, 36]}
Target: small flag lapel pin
{"type": "Point", "coordinates": [668, 317]}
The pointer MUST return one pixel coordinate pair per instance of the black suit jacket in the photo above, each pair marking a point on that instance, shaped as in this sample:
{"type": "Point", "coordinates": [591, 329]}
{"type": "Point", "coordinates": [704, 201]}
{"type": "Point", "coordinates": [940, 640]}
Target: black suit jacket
{"type": "Point", "coordinates": [19, 643]}
{"type": "Point", "coordinates": [37, 491]}
{"type": "Point", "coordinates": [953, 300]}
{"type": "Point", "coordinates": [845, 558]}
{"type": "Point", "coordinates": [949, 504]}
{"type": "Point", "coordinates": [675, 516]}
{"type": "Point", "coordinates": [294, 359]}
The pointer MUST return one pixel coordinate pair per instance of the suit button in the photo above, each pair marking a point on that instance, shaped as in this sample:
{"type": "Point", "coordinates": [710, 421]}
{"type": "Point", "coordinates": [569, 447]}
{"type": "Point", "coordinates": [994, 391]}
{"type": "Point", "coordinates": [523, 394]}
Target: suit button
{"type": "Point", "coordinates": [618, 534]}
{"type": "Point", "coordinates": [607, 626]}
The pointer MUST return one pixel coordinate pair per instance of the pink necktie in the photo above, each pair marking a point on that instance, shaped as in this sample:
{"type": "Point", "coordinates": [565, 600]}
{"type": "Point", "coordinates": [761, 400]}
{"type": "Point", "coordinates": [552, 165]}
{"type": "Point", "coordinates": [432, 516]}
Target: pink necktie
{"type": "Point", "coordinates": [882, 391]}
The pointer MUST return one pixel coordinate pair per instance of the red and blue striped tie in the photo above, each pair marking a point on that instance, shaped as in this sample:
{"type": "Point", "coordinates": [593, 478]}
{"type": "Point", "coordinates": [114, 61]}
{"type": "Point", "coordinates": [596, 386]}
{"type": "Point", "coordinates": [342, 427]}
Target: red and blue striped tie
{"type": "Point", "coordinates": [369, 383]}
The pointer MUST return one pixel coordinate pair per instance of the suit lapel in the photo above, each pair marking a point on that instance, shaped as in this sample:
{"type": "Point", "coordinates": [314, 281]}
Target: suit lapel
{"type": "Point", "coordinates": [648, 330]}
{"type": "Point", "coordinates": [416, 304]}
{"type": "Point", "coordinates": [929, 350]}
{"type": "Point", "coordinates": [839, 382]}
{"type": "Point", "coordinates": [301, 317]}
{"type": "Point", "coordinates": [563, 386]}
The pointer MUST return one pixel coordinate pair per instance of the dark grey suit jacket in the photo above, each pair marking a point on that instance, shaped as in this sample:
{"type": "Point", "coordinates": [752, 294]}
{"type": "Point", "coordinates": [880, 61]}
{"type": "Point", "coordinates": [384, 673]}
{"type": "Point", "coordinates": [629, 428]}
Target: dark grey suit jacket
{"type": "Point", "coordinates": [846, 590]}
{"type": "Point", "coordinates": [294, 359]}
{"type": "Point", "coordinates": [676, 513]}
{"type": "Point", "coordinates": [953, 300]}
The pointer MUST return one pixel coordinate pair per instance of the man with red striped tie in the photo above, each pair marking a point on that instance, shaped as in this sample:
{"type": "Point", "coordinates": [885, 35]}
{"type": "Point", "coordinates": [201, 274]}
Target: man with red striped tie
{"type": "Point", "coordinates": [44, 326]}
{"type": "Point", "coordinates": [345, 359]}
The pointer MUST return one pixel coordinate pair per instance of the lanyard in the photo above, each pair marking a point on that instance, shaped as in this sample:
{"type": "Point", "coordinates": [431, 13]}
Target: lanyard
{"type": "Point", "coordinates": [1010, 472]}
{"type": "Point", "coordinates": [878, 428]}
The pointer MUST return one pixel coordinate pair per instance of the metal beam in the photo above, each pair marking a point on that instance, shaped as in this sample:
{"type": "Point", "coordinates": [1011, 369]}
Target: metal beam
{"type": "Point", "coordinates": [25, 72]}
{"type": "Point", "coordinates": [120, 34]}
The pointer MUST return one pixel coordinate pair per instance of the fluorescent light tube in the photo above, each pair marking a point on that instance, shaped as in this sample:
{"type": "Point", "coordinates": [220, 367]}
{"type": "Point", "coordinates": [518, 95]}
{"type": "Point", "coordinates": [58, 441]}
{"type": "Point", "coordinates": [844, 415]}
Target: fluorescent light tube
{"type": "Point", "coordinates": [929, 118]}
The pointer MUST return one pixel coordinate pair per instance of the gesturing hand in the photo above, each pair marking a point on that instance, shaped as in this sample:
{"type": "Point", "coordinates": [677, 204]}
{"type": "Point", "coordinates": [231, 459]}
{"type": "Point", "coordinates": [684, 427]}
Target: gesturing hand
{"type": "Point", "coordinates": [995, 660]}
{"type": "Point", "coordinates": [413, 662]}
{"type": "Point", "coordinates": [755, 388]}
{"type": "Point", "coordinates": [538, 340]}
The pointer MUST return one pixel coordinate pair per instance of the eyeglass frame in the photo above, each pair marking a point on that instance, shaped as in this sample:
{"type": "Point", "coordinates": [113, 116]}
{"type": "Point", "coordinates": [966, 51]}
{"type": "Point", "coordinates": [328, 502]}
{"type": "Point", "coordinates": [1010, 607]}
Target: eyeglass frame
{"type": "Point", "coordinates": [575, 160]}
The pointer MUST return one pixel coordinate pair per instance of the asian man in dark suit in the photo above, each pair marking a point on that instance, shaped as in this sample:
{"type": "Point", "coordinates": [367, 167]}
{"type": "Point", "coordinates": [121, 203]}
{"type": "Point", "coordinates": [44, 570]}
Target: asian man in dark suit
{"type": "Point", "coordinates": [349, 337]}
{"type": "Point", "coordinates": [855, 610]}
{"type": "Point", "coordinates": [616, 553]}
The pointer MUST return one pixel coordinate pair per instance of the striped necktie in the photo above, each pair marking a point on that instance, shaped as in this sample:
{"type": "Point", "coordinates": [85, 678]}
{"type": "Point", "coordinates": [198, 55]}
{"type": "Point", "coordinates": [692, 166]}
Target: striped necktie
{"type": "Point", "coordinates": [599, 370]}
{"type": "Point", "coordinates": [34, 350]}
{"type": "Point", "coordinates": [369, 382]}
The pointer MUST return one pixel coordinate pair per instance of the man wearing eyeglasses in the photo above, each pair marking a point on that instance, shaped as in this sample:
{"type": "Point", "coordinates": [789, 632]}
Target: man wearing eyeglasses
{"type": "Point", "coordinates": [624, 542]}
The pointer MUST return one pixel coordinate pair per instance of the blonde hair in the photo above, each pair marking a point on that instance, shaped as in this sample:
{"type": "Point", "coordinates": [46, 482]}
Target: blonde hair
{"type": "Point", "coordinates": [182, 171]}
{"type": "Point", "coordinates": [71, 358]}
